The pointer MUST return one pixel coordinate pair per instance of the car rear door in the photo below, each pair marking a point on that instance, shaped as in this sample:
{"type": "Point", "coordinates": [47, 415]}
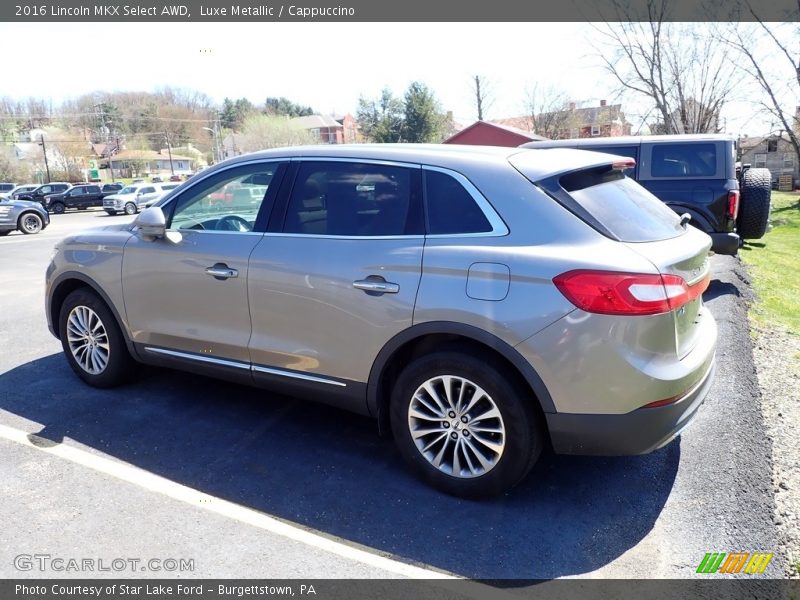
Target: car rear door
{"type": "Point", "coordinates": [336, 275]}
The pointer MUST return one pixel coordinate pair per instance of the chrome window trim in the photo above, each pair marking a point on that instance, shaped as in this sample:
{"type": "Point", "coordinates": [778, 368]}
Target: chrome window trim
{"type": "Point", "coordinates": [416, 236]}
{"type": "Point", "coordinates": [499, 228]}
{"type": "Point", "coordinates": [184, 231]}
{"type": "Point", "coordinates": [295, 375]}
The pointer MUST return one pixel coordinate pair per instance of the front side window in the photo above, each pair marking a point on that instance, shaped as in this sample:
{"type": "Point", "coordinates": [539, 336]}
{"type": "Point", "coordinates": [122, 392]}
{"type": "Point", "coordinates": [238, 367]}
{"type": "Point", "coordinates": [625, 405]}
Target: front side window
{"type": "Point", "coordinates": [352, 199]}
{"type": "Point", "coordinates": [228, 203]}
{"type": "Point", "coordinates": [684, 160]}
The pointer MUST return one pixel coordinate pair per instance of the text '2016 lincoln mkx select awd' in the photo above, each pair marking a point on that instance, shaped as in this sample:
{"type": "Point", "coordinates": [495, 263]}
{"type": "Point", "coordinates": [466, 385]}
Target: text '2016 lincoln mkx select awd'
{"type": "Point", "coordinates": [478, 302]}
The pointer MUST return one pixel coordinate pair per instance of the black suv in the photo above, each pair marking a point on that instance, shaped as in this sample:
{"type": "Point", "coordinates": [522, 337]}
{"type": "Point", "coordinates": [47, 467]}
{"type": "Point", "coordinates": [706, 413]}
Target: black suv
{"type": "Point", "coordinates": [694, 174]}
{"type": "Point", "coordinates": [38, 194]}
{"type": "Point", "coordinates": [79, 196]}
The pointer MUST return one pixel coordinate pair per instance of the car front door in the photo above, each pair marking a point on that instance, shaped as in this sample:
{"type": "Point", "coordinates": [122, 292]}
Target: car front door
{"type": "Point", "coordinates": [336, 275]}
{"type": "Point", "coordinates": [186, 294]}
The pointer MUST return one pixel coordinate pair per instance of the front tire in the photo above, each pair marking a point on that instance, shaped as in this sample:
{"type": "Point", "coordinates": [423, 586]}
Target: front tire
{"type": "Point", "coordinates": [58, 208]}
{"type": "Point", "coordinates": [130, 209]}
{"type": "Point", "coordinates": [92, 340]}
{"type": "Point", "coordinates": [30, 223]}
{"type": "Point", "coordinates": [463, 424]}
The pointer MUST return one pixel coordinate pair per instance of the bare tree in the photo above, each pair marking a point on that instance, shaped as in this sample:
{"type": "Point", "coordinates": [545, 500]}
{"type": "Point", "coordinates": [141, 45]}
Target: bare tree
{"type": "Point", "coordinates": [264, 131]}
{"type": "Point", "coordinates": [680, 68]}
{"type": "Point", "coordinates": [549, 112]}
{"type": "Point", "coordinates": [763, 53]}
{"type": "Point", "coordinates": [483, 95]}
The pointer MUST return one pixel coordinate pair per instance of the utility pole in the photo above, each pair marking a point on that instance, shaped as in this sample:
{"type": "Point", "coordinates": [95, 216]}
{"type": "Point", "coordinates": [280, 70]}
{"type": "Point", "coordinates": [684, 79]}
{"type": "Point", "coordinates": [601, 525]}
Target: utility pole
{"type": "Point", "coordinates": [44, 151]}
{"type": "Point", "coordinates": [169, 151]}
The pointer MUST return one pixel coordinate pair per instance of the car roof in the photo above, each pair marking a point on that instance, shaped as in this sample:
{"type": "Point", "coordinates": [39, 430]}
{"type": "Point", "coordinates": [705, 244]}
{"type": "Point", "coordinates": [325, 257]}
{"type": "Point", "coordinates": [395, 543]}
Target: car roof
{"type": "Point", "coordinates": [451, 156]}
{"type": "Point", "coordinates": [631, 140]}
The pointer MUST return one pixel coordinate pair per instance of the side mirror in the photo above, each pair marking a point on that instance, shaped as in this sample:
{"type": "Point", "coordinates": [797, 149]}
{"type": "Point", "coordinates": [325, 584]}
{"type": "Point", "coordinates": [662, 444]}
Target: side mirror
{"type": "Point", "coordinates": [151, 223]}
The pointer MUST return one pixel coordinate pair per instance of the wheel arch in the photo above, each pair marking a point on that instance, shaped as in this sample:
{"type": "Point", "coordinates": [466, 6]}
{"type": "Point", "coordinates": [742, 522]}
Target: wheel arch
{"type": "Point", "coordinates": [68, 282]}
{"type": "Point", "coordinates": [428, 337]}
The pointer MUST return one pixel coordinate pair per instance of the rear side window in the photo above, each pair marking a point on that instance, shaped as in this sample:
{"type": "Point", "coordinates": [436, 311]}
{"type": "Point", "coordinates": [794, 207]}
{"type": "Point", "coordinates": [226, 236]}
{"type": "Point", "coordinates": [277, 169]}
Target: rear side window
{"type": "Point", "coordinates": [352, 199]}
{"type": "Point", "coordinates": [451, 208]}
{"type": "Point", "coordinates": [684, 160]}
{"type": "Point", "coordinates": [627, 210]}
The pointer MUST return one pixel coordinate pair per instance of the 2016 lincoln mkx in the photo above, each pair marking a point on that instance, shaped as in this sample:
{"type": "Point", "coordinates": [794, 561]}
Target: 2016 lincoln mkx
{"type": "Point", "coordinates": [478, 302]}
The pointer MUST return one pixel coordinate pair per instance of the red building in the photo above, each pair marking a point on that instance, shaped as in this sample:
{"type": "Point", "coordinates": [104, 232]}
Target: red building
{"type": "Point", "coordinates": [485, 133]}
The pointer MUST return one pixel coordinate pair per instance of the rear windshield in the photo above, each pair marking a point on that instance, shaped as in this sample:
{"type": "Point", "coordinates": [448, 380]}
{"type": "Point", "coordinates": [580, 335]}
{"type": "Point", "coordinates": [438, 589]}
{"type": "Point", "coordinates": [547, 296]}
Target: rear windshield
{"type": "Point", "coordinates": [627, 210]}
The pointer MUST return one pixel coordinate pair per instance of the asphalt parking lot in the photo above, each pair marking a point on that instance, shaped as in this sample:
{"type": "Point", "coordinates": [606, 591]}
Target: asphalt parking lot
{"type": "Point", "coordinates": [246, 483]}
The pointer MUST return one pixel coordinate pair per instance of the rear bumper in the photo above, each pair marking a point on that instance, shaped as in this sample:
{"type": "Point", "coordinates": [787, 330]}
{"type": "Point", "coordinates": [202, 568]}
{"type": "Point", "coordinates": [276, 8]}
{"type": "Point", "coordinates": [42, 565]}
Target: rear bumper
{"type": "Point", "coordinates": [725, 243]}
{"type": "Point", "coordinates": [637, 432]}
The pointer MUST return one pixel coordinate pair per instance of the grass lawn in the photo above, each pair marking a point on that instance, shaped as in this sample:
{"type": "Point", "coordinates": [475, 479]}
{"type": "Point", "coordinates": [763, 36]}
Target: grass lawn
{"type": "Point", "coordinates": [774, 262]}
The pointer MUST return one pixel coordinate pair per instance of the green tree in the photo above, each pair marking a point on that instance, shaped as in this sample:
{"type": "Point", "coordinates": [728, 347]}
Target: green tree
{"type": "Point", "coordinates": [284, 106]}
{"type": "Point", "coordinates": [235, 112]}
{"type": "Point", "coordinates": [423, 120]}
{"type": "Point", "coordinates": [381, 119]}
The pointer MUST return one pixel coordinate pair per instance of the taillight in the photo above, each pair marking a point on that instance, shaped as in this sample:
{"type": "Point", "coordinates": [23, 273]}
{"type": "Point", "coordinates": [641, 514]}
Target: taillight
{"type": "Point", "coordinates": [612, 293]}
{"type": "Point", "coordinates": [733, 204]}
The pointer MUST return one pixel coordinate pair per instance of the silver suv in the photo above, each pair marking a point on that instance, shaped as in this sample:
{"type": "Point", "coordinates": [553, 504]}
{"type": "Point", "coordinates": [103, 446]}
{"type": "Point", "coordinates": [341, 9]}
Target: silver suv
{"type": "Point", "coordinates": [478, 302]}
{"type": "Point", "coordinates": [132, 198]}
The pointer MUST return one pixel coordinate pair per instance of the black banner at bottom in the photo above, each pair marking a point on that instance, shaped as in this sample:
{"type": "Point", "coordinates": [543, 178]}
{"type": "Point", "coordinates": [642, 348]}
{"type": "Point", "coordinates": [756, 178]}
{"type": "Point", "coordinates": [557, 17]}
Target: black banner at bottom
{"type": "Point", "coordinates": [401, 589]}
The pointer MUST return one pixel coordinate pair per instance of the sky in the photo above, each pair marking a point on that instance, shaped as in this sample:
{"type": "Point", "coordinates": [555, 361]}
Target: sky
{"type": "Point", "coordinates": [324, 65]}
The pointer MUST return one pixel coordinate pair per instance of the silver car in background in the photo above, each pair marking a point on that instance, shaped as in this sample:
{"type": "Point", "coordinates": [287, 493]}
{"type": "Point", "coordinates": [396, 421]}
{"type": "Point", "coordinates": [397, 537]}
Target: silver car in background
{"type": "Point", "coordinates": [133, 198]}
{"type": "Point", "coordinates": [478, 302]}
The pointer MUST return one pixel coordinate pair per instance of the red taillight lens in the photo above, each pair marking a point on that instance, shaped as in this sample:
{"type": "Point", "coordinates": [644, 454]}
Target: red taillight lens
{"type": "Point", "coordinates": [612, 293]}
{"type": "Point", "coordinates": [733, 204]}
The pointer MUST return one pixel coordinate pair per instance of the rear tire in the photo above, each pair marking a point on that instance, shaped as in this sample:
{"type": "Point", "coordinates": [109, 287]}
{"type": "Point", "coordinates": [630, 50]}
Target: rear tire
{"type": "Point", "coordinates": [463, 425]}
{"type": "Point", "coordinates": [751, 224]}
{"type": "Point", "coordinates": [92, 340]}
{"type": "Point", "coordinates": [30, 223]}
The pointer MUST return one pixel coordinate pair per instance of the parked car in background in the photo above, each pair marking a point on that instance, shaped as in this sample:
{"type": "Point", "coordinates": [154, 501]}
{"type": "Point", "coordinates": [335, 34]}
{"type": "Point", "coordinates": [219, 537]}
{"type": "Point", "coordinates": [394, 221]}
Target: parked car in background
{"type": "Point", "coordinates": [109, 188]}
{"type": "Point", "coordinates": [478, 302]}
{"type": "Point", "coordinates": [694, 175]}
{"type": "Point", "coordinates": [134, 197]}
{"type": "Point", "coordinates": [175, 178]}
{"type": "Point", "coordinates": [38, 193]}
{"type": "Point", "coordinates": [166, 188]}
{"type": "Point", "coordinates": [20, 189]}
{"type": "Point", "coordinates": [78, 196]}
{"type": "Point", "coordinates": [156, 179]}
{"type": "Point", "coordinates": [22, 215]}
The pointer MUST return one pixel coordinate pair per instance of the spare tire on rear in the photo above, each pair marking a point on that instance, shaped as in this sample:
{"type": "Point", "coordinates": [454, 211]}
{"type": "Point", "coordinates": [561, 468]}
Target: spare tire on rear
{"type": "Point", "coordinates": [751, 224]}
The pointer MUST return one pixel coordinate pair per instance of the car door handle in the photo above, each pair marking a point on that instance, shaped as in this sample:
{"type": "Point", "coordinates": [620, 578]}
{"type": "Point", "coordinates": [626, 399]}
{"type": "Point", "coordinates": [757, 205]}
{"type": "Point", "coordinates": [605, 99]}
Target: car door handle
{"type": "Point", "coordinates": [222, 271]}
{"type": "Point", "coordinates": [376, 286]}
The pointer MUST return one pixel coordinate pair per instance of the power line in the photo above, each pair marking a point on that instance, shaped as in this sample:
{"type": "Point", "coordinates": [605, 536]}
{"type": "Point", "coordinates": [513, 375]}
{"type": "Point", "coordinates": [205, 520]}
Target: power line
{"type": "Point", "coordinates": [76, 115]}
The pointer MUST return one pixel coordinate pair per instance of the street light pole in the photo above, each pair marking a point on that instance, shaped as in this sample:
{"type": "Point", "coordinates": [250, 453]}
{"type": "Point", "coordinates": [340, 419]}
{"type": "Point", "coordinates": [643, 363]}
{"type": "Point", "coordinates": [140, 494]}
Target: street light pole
{"type": "Point", "coordinates": [44, 151]}
{"type": "Point", "coordinates": [215, 147]}
{"type": "Point", "coordinates": [169, 151]}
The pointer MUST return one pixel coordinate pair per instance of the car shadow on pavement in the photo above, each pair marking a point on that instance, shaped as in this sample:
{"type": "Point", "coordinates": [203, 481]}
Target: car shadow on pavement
{"type": "Point", "coordinates": [719, 288]}
{"type": "Point", "coordinates": [328, 470]}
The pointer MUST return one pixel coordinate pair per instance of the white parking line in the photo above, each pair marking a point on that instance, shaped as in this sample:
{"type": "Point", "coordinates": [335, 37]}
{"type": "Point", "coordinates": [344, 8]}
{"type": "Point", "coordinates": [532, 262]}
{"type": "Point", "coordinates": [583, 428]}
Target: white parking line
{"type": "Point", "coordinates": [197, 499]}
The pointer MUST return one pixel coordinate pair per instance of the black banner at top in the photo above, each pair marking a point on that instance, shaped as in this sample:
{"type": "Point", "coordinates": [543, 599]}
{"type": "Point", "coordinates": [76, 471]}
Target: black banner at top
{"type": "Point", "coordinates": [396, 10]}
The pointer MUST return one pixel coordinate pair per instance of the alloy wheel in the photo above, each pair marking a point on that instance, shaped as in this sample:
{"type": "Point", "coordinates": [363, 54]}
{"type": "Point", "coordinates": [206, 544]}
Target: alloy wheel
{"type": "Point", "coordinates": [456, 426]}
{"type": "Point", "coordinates": [88, 340]}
